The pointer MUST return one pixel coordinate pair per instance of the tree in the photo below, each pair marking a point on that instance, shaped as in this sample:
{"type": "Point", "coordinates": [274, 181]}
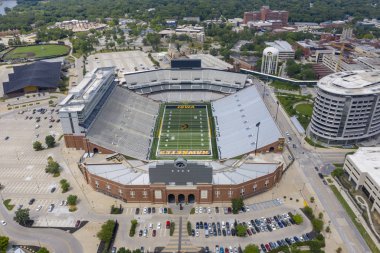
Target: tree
{"type": "Point", "coordinates": [50, 141]}
{"type": "Point", "coordinates": [22, 216]}
{"type": "Point", "coordinates": [72, 200]}
{"type": "Point", "coordinates": [339, 250]}
{"type": "Point", "coordinates": [309, 212]}
{"type": "Point", "coordinates": [241, 230]}
{"type": "Point", "coordinates": [52, 166]}
{"type": "Point", "coordinates": [317, 225]}
{"type": "Point", "coordinates": [320, 215]}
{"type": "Point", "coordinates": [43, 250]}
{"type": "Point", "coordinates": [64, 185]}
{"type": "Point", "coordinates": [312, 199]}
{"type": "Point", "coordinates": [339, 172]}
{"type": "Point", "coordinates": [251, 248]}
{"type": "Point", "coordinates": [4, 241]}
{"type": "Point", "coordinates": [105, 233]}
{"type": "Point", "coordinates": [152, 39]}
{"type": "Point", "coordinates": [237, 204]}
{"type": "Point", "coordinates": [328, 229]}
{"type": "Point", "coordinates": [298, 54]}
{"type": "Point", "coordinates": [123, 250]}
{"type": "Point", "coordinates": [37, 146]}
{"type": "Point", "coordinates": [298, 219]}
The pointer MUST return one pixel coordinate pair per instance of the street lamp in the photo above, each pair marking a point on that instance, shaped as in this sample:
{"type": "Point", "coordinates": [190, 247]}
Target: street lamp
{"type": "Point", "coordinates": [257, 137]}
{"type": "Point", "coordinates": [278, 104]}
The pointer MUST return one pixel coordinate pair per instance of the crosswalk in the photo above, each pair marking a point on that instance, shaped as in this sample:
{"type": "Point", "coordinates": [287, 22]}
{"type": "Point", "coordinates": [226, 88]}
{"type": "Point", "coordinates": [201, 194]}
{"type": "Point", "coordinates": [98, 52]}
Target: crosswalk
{"type": "Point", "coordinates": [180, 241]}
{"type": "Point", "coordinates": [51, 222]}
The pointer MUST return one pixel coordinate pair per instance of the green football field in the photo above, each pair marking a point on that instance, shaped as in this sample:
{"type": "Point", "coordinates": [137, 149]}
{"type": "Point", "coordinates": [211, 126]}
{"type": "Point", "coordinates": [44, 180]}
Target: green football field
{"type": "Point", "coordinates": [184, 131]}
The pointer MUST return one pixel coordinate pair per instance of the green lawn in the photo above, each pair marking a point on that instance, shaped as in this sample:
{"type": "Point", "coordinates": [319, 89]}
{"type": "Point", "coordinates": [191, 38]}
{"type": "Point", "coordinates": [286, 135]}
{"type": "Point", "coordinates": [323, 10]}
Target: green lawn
{"type": "Point", "coordinates": [184, 130]}
{"type": "Point", "coordinates": [289, 100]}
{"type": "Point", "coordinates": [284, 86]}
{"type": "Point", "coordinates": [305, 109]}
{"type": "Point", "coordinates": [37, 51]}
{"type": "Point", "coordinates": [353, 217]}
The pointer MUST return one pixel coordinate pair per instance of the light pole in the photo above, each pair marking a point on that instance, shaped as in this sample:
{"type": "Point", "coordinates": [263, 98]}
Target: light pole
{"type": "Point", "coordinates": [257, 136]}
{"type": "Point", "coordinates": [278, 104]}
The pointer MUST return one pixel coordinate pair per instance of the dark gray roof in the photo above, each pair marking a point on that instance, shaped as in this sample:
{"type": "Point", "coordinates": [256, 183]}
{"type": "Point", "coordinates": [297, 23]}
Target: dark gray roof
{"type": "Point", "coordinates": [40, 74]}
{"type": "Point", "coordinates": [168, 173]}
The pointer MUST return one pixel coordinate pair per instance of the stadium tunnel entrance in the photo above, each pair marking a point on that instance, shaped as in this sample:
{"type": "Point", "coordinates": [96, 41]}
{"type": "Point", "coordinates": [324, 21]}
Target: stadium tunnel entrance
{"type": "Point", "coordinates": [171, 198]}
{"type": "Point", "coordinates": [191, 198]}
{"type": "Point", "coordinates": [181, 198]}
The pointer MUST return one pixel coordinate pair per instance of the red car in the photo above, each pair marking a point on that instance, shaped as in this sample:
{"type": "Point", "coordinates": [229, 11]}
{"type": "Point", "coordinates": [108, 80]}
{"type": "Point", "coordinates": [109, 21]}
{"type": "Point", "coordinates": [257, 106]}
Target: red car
{"type": "Point", "coordinates": [154, 233]}
{"type": "Point", "coordinates": [167, 224]}
{"type": "Point", "coordinates": [249, 231]}
{"type": "Point", "coordinates": [226, 250]}
{"type": "Point", "coordinates": [268, 247]}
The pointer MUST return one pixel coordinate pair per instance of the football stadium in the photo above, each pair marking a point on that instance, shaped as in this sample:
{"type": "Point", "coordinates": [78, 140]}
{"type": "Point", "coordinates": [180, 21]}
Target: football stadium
{"type": "Point", "coordinates": [184, 134]}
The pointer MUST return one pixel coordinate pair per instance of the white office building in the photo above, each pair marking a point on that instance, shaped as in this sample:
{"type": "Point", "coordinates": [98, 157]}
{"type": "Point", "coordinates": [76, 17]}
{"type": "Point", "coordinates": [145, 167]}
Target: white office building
{"type": "Point", "coordinates": [363, 168]}
{"type": "Point", "coordinates": [285, 50]}
{"type": "Point", "coordinates": [269, 63]}
{"type": "Point", "coordinates": [347, 108]}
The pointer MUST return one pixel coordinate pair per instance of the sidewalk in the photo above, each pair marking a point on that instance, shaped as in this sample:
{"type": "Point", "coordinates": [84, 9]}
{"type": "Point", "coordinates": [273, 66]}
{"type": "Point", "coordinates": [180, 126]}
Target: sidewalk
{"type": "Point", "coordinates": [356, 212]}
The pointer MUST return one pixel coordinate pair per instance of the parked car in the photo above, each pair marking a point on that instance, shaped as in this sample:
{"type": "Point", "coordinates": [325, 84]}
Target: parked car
{"type": "Point", "coordinates": [3, 222]}
{"type": "Point", "coordinates": [31, 201]}
{"type": "Point", "coordinates": [51, 207]}
{"type": "Point", "coordinates": [137, 211]}
{"type": "Point", "coordinates": [52, 189]}
{"type": "Point", "coordinates": [77, 223]}
{"type": "Point", "coordinates": [167, 224]}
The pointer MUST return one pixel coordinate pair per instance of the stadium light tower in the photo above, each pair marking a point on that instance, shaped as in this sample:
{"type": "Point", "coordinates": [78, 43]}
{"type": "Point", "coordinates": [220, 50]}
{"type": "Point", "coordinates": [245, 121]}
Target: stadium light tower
{"type": "Point", "coordinates": [257, 136]}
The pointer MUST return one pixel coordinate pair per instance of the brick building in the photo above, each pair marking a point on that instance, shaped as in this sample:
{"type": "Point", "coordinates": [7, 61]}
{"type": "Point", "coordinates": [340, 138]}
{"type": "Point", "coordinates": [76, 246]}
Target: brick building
{"type": "Point", "coordinates": [266, 14]}
{"type": "Point", "coordinates": [203, 185]}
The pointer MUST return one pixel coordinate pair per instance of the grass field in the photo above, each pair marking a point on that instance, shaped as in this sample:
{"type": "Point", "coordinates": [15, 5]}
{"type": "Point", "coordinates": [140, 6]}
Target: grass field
{"type": "Point", "coordinates": [184, 130]}
{"type": "Point", "coordinates": [37, 51]}
{"type": "Point", "coordinates": [305, 109]}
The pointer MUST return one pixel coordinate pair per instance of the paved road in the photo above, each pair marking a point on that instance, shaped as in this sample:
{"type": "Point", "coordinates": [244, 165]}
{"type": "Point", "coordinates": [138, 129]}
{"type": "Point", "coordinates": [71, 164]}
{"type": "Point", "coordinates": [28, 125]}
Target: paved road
{"type": "Point", "coordinates": [307, 160]}
{"type": "Point", "coordinates": [56, 240]}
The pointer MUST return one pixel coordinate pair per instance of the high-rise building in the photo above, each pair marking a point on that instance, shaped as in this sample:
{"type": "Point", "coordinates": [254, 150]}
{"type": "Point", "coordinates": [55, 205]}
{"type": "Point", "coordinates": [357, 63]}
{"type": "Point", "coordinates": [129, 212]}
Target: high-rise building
{"type": "Point", "coordinates": [270, 61]}
{"type": "Point", "coordinates": [347, 108]}
{"type": "Point", "coordinates": [265, 14]}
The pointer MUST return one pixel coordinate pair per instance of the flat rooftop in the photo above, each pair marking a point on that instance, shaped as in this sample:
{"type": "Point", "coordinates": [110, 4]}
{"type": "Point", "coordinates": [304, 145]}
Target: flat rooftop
{"type": "Point", "coordinates": [281, 45]}
{"type": "Point", "coordinates": [367, 160]}
{"type": "Point", "coordinates": [84, 92]}
{"type": "Point", "coordinates": [358, 82]}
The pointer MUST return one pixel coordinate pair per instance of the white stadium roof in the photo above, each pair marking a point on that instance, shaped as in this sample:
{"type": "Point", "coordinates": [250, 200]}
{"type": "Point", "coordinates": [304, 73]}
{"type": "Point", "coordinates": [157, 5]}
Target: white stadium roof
{"type": "Point", "coordinates": [236, 117]}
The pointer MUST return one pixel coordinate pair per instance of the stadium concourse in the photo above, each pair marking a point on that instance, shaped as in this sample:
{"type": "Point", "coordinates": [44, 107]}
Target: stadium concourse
{"type": "Point", "coordinates": [198, 114]}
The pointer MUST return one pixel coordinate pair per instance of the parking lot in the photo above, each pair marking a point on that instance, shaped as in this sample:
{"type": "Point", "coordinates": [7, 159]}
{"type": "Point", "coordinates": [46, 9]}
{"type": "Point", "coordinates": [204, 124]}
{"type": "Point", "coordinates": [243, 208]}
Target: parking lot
{"type": "Point", "coordinates": [147, 223]}
{"type": "Point", "coordinates": [23, 169]}
{"type": "Point", "coordinates": [127, 61]}
{"type": "Point", "coordinates": [261, 225]}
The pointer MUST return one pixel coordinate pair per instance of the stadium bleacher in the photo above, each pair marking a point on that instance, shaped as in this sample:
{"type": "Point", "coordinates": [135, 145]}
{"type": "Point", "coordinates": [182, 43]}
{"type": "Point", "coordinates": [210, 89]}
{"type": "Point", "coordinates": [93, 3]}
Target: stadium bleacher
{"type": "Point", "coordinates": [125, 124]}
{"type": "Point", "coordinates": [185, 96]}
{"type": "Point", "coordinates": [185, 79]}
{"type": "Point", "coordinates": [236, 117]}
